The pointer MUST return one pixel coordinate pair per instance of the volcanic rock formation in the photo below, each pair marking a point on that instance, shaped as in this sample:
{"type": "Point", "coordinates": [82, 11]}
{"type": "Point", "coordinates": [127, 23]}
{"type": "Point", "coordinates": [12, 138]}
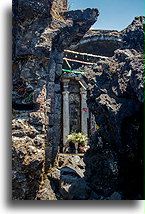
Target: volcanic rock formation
{"type": "Point", "coordinates": [41, 31]}
{"type": "Point", "coordinates": [113, 166]}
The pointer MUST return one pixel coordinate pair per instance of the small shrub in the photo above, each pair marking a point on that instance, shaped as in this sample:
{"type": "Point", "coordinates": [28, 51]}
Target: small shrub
{"type": "Point", "coordinates": [79, 139]}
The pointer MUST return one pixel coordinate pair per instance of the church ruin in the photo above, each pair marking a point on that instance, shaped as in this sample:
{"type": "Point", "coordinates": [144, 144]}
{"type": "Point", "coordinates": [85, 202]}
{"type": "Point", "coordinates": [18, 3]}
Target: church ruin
{"type": "Point", "coordinates": [56, 99]}
{"type": "Point", "coordinates": [58, 90]}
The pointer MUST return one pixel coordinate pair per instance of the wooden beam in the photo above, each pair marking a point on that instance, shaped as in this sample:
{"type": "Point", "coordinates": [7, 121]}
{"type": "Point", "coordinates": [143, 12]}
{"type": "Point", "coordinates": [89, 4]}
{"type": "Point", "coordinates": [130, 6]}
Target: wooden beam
{"type": "Point", "coordinates": [74, 60]}
{"type": "Point", "coordinates": [86, 54]}
{"type": "Point", "coordinates": [68, 63]}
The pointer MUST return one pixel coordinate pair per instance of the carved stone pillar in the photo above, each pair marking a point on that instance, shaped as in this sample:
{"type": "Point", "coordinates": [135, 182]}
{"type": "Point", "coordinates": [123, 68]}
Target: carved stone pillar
{"type": "Point", "coordinates": [66, 124]}
{"type": "Point", "coordinates": [84, 112]}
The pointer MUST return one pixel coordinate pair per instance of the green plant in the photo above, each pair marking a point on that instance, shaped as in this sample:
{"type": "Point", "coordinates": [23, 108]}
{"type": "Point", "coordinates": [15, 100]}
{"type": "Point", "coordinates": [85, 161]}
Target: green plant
{"type": "Point", "coordinates": [29, 98]}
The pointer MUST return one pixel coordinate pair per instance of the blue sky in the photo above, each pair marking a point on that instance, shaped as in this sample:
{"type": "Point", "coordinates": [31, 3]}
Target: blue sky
{"type": "Point", "coordinates": [114, 14]}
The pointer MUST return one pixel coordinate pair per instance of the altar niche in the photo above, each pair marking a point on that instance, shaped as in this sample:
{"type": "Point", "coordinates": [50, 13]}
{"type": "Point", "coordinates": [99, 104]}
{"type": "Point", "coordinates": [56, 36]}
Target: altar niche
{"type": "Point", "coordinates": [74, 101]}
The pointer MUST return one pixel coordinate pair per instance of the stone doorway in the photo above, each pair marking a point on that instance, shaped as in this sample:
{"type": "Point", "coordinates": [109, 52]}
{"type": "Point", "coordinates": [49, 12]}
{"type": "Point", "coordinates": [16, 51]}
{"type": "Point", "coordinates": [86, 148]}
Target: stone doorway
{"type": "Point", "coordinates": [74, 101]}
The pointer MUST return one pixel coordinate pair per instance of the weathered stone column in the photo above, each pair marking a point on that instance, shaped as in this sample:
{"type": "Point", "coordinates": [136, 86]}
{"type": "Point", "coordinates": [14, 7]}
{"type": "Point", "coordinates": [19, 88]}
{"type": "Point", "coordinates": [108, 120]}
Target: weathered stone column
{"type": "Point", "coordinates": [66, 125]}
{"type": "Point", "coordinates": [54, 103]}
{"type": "Point", "coordinates": [84, 113]}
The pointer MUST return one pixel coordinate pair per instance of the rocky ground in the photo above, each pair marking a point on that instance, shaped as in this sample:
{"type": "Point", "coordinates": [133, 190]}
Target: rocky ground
{"type": "Point", "coordinates": [67, 181]}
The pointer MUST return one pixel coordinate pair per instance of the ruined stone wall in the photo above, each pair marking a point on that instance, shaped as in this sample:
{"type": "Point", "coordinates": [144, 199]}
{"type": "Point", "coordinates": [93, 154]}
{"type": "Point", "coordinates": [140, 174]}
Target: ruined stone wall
{"type": "Point", "coordinates": [114, 162]}
{"type": "Point", "coordinates": [99, 42]}
{"type": "Point", "coordinates": [115, 97]}
{"type": "Point", "coordinates": [39, 38]}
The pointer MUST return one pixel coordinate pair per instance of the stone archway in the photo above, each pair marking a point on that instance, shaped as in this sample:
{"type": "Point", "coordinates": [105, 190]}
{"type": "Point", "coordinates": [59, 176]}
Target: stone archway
{"type": "Point", "coordinates": [74, 101]}
{"type": "Point", "coordinates": [99, 42]}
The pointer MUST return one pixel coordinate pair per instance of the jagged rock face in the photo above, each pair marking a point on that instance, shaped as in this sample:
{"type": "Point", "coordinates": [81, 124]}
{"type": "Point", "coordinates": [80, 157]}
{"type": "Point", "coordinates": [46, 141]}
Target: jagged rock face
{"type": "Point", "coordinates": [116, 97]}
{"type": "Point", "coordinates": [36, 32]}
{"type": "Point", "coordinates": [36, 23]}
{"type": "Point", "coordinates": [114, 163]}
{"type": "Point", "coordinates": [78, 23]}
{"type": "Point", "coordinates": [40, 34]}
{"type": "Point", "coordinates": [27, 156]}
{"type": "Point", "coordinates": [66, 181]}
{"type": "Point", "coordinates": [133, 35]}
{"type": "Point", "coordinates": [116, 88]}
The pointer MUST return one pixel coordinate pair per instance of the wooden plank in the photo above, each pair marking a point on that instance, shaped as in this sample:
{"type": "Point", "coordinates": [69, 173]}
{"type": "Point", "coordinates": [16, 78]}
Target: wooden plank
{"type": "Point", "coordinates": [86, 54]}
{"type": "Point", "coordinates": [82, 62]}
{"type": "Point", "coordinates": [68, 63]}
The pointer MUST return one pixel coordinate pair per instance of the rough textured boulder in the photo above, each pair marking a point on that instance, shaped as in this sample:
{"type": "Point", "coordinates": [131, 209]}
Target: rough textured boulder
{"type": "Point", "coordinates": [65, 180]}
{"type": "Point", "coordinates": [27, 156]}
{"type": "Point", "coordinates": [116, 97]}
{"type": "Point", "coordinates": [116, 88]}
{"type": "Point", "coordinates": [133, 36]}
